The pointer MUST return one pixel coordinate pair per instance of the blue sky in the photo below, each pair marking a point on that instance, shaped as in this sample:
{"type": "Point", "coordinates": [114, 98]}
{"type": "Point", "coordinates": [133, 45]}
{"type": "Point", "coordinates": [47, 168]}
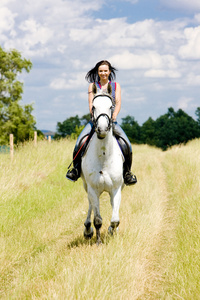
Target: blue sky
{"type": "Point", "coordinates": [155, 45]}
{"type": "Point", "coordinates": [140, 10]}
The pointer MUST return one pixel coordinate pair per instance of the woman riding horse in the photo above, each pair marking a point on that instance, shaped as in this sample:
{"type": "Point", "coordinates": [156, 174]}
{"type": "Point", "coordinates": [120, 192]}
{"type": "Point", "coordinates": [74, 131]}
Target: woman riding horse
{"type": "Point", "coordinates": [102, 74]}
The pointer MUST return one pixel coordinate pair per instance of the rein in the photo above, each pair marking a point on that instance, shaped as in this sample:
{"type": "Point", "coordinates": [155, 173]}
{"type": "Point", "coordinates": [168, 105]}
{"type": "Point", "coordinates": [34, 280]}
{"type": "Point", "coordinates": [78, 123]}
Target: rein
{"type": "Point", "coordinates": [78, 151]}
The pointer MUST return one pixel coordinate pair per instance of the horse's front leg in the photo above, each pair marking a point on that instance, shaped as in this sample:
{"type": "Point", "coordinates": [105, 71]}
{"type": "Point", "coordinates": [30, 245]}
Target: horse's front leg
{"type": "Point", "coordinates": [88, 231]}
{"type": "Point", "coordinates": [115, 199]}
{"type": "Point", "coordinates": [93, 197]}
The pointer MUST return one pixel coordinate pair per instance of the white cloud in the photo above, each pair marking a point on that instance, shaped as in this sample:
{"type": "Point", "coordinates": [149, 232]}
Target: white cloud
{"type": "Point", "coordinates": [5, 2]}
{"type": "Point", "coordinates": [197, 18]}
{"type": "Point", "coordinates": [132, 1]}
{"type": "Point", "coordinates": [36, 32]}
{"type": "Point", "coordinates": [115, 33]}
{"type": "Point", "coordinates": [184, 102]}
{"type": "Point", "coordinates": [143, 60]}
{"type": "Point", "coordinates": [7, 19]}
{"type": "Point", "coordinates": [162, 74]}
{"type": "Point", "coordinates": [191, 50]}
{"type": "Point", "coordinates": [66, 83]}
{"type": "Point", "coordinates": [192, 5]}
{"type": "Point", "coordinates": [139, 34]}
{"type": "Point", "coordinates": [38, 23]}
{"type": "Point", "coordinates": [85, 36]}
{"type": "Point", "coordinates": [61, 48]}
{"type": "Point", "coordinates": [193, 79]}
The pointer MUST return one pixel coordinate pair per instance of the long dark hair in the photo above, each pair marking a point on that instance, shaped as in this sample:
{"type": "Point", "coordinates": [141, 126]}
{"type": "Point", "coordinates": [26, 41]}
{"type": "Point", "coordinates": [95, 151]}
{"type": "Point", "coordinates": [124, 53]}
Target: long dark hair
{"type": "Point", "coordinates": [92, 75]}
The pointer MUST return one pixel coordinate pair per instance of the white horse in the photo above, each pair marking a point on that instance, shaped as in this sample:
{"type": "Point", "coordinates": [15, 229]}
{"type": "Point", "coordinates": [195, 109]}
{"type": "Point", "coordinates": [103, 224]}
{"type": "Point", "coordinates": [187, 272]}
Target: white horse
{"type": "Point", "coordinates": [102, 167]}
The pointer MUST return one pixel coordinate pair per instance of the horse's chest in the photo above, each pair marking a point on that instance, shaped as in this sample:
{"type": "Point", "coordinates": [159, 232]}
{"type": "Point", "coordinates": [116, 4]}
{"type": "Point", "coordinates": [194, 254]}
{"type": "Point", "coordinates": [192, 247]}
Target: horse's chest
{"type": "Point", "coordinates": [102, 177]}
{"type": "Point", "coordinates": [102, 169]}
{"type": "Point", "coordinates": [102, 180]}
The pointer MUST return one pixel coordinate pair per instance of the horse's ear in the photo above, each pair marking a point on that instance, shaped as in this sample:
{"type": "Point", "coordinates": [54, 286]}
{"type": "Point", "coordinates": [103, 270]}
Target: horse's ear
{"type": "Point", "coordinates": [109, 89]}
{"type": "Point", "coordinates": [94, 88]}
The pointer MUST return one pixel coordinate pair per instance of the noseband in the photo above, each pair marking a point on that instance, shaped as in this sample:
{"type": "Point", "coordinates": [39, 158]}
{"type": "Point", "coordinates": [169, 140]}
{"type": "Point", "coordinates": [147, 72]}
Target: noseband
{"type": "Point", "coordinates": [95, 121]}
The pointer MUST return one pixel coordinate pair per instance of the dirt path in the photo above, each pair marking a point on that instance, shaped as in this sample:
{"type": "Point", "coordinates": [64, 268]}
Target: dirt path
{"type": "Point", "coordinates": [152, 220]}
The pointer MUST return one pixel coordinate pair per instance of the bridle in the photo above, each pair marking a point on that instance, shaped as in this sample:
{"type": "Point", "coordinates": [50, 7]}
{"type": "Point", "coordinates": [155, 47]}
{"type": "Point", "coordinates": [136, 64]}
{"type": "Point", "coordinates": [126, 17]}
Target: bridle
{"type": "Point", "coordinates": [95, 121]}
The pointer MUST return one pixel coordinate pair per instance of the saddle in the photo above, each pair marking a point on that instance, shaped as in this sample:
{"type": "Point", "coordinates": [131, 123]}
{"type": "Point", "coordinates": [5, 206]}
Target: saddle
{"type": "Point", "coordinates": [85, 141]}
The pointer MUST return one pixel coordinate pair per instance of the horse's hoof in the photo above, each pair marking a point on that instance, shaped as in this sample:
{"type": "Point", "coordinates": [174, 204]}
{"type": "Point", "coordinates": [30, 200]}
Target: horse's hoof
{"type": "Point", "coordinates": [112, 230]}
{"type": "Point", "coordinates": [99, 243]}
{"type": "Point", "coordinates": [88, 234]}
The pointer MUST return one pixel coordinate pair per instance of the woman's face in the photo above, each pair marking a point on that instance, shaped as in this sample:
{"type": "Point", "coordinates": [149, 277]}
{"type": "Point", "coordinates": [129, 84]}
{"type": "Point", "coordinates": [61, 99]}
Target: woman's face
{"type": "Point", "coordinates": [103, 72]}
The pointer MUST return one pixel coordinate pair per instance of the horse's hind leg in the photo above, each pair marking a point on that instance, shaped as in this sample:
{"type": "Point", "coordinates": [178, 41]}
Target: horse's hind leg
{"type": "Point", "coordinates": [88, 231]}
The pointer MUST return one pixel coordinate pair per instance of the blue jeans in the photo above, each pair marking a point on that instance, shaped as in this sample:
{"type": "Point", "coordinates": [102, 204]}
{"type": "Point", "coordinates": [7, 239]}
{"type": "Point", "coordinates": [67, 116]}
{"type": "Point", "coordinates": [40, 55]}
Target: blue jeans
{"type": "Point", "coordinates": [117, 131]}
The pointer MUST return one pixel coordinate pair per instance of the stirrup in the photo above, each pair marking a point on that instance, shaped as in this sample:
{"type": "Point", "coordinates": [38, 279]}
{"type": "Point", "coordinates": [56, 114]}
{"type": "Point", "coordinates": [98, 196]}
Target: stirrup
{"type": "Point", "coordinates": [130, 178]}
{"type": "Point", "coordinates": [72, 175]}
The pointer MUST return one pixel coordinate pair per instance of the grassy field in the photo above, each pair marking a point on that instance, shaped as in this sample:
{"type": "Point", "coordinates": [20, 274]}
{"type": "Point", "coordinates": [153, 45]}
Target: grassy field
{"type": "Point", "coordinates": [155, 255]}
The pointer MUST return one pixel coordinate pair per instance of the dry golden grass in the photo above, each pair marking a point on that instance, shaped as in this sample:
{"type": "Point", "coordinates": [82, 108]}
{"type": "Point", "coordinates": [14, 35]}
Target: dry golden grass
{"type": "Point", "coordinates": [43, 254]}
{"type": "Point", "coordinates": [182, 166]}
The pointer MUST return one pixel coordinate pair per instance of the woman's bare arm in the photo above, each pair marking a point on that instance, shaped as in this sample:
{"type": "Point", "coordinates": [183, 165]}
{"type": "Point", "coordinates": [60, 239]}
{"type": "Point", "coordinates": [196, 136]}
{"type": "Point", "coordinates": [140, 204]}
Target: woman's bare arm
{"type": "Point", "coordinates": [90, 97]}
{"type": "Point", "coordinates": [117, 101]}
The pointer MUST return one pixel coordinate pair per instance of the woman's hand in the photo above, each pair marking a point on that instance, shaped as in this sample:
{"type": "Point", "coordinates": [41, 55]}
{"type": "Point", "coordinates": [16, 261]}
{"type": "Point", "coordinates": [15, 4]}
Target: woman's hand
{"type": "Point", "coordinates": [114, 117]}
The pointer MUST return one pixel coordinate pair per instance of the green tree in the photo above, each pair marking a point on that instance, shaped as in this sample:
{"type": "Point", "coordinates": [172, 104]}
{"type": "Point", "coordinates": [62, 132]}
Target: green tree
{"type": "Point", "coordinates": [175, 128]}
{"type": "Point", "coordinates": [197, 113]}
{"type": "Point", "coordinates": [131, 128]}
{"type": "Point", "coordinates": [148, 132]}
{"type": "Point", "coordinates": [68, 127]}
{"type": "Point", "coordinates": [14, 118]}
{"type": "Point", "coordinates": [77, 131]}
{"type": "Point", "coordinates": [71, 126]}
{"type": "Point", "coordinates": [85, 119]}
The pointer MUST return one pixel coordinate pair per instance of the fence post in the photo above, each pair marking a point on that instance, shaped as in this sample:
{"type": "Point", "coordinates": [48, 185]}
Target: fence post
{"type": "Point", "coordinates": [49, 138]}
{"type": "Point", "coordinates": [11, 146]}
{"type": "Point", "coordinates": [35, 138]}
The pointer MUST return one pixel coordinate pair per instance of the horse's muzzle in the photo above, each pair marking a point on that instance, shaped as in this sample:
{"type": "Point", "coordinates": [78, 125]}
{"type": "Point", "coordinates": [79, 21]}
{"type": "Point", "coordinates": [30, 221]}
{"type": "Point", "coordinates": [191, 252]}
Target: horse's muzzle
{"type": "Point", "coordinates": [102, 131]}
{"type": "Point", "coordinates": [101, 134]}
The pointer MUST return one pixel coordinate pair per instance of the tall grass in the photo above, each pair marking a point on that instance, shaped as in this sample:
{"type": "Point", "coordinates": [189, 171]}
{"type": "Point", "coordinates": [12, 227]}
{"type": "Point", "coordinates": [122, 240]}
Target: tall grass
{"type": "Point", "coordinates": [182, 166]}
{"type": "Point", "coordinates": [43, 254]}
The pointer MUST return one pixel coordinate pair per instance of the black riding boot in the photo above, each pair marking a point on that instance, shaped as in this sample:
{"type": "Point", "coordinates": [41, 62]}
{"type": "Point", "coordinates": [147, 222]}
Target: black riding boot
{"type": "Point", "coordinates": [129, 177]}
{"type": "Point", "coordinates": [74, 173]}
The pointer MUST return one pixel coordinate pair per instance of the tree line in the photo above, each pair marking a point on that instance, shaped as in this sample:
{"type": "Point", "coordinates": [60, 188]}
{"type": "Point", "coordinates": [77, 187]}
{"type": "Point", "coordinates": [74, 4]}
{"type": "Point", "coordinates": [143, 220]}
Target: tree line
{"type": "Point", "coordinates": [170, 129]}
